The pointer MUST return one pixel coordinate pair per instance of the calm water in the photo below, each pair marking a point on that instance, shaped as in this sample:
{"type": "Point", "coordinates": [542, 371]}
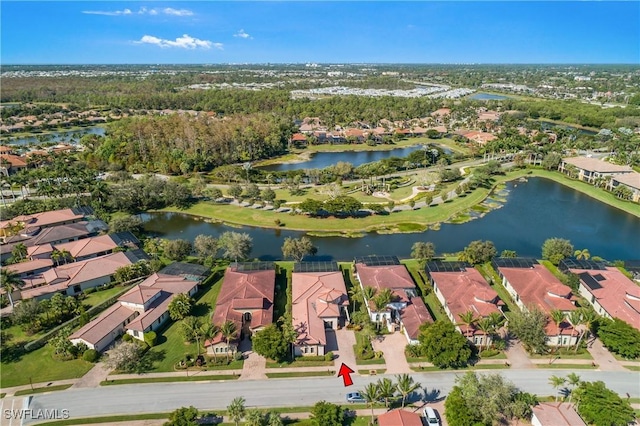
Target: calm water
{"type": "Point", "coordinates": [72, 136]}
{"type": "Point", "coordinates": [321, 160]}
{"type": "Point", "coordinates": [535, 210]}
{"type": "Point", "coordinates": [487, 97]}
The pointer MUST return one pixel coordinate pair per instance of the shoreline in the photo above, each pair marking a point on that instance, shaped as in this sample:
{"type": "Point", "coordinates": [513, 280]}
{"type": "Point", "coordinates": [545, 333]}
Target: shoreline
{"type": "Point", "coordinates": [399, 222]}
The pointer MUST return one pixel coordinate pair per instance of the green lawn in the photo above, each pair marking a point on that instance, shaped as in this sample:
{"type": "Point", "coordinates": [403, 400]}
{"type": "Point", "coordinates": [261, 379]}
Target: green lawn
{"type": "Point", "coordinates": [42, 390]}
{"type": "Point", "coordinates": [185, 378]}
{"type": "Point", "coordinates": [375, 370]}
{"type": "Point", "coordinates": [632, 367]}
{"type": "Point", "coordinates": [565, 353]}
{"type": "Point", "coordinates": [419, 277]}
{"type": "Point", "coordinates": [487, 271]}
{"type": "Point", "coordinates": [98, 297]}
{"type": "Point", "coordinates": [298, 364]}
{"type": "Point", "coordinates": [300, 374]}
{"type": "Point", "coordinates": [568, 366]}
{"type": "Point", "coordinates": [171, 346]}
{"type": "Point", "coordinates": [39, 366]}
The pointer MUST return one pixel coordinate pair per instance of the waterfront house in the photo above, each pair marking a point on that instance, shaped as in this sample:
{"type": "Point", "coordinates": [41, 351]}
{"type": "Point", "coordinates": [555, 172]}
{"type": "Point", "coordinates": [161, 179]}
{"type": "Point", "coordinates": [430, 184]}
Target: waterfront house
{"type": "Point", "coordinates": [629, 180]}
{"type": "Point", "coordinates": [531, 285]}
{"type": "Point", "coordinates": [319, 303]}
{"type": "Point", "coordinates": [460, 289]}
{"type": "Point", "coordinates": [555, 414]}
{"type": "Point", "coordinates": [591, 170]}
{"type": "Point", "coordinates": [246, 299]}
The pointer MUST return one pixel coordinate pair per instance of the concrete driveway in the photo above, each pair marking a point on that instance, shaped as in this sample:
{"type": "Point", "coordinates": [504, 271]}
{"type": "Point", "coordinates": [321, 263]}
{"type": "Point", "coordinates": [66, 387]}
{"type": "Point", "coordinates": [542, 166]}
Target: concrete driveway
{"type": "Point", "coordinates": [343, 350]}
{"type": "Point", "coordinates": [392, 346]}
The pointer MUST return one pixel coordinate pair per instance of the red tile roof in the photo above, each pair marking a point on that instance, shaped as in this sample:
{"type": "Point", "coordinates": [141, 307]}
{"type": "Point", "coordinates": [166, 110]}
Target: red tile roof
{"type": "Point", "coordinates": [316, 295]}
{"type": "Point", "coordinates": [30, 265]}
{"type": "Point", "coordinates": [88, 246]}
{"type": "Point", "coordinates": [596, 165]}
{"type": "Point", "coordinates": [413, 316]}
{"type": "Point", "coordinates": [618, 295]}
{"type": "Point", "coordinates": [557, 414]}
{"type": "Point", "coordinates": [399, 418]}
{"type": "Point", "coordinates": [298, 137]}
{"type": "Point", "coordinates": [394, 277]}
{"type": "Point", "coordinates": [466, 291]}
{"type": "Point", "coordinates": [14, 160]}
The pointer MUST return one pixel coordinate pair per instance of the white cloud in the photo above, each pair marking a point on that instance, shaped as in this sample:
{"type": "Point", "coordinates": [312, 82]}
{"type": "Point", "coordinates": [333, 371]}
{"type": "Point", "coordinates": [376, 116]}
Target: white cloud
{"type": "Point", "coordinates": [242, 34]}
{"type": "Point", "coordinates": [184, 42]}
{"type": "Point", "coordinates": [177, 12]}
{"type": "Point", "coordinates": [142, 11]}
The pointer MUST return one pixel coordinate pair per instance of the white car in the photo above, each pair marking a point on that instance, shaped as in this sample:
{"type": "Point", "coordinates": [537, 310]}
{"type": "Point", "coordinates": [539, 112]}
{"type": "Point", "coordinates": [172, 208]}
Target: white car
{"type": "Point", "coordinates": [431, 416]}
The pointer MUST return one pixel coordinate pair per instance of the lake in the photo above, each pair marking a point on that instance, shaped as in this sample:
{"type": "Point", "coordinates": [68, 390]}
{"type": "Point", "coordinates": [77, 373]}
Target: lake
{"type": "Point", "coordinates": [487, 97]}
{"type": "Point", "coordinates": [320, 160]}
{"type": "Point", "coordinates": [71, 136]}
{"type": "Point", "coordinates": [534, 211]}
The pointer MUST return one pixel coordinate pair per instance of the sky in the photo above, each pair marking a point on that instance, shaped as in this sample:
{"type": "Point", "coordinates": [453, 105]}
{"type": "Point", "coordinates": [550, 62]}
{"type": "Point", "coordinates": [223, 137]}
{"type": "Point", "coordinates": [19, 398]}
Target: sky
{"type": "Point", "coordinates": [211, 32]}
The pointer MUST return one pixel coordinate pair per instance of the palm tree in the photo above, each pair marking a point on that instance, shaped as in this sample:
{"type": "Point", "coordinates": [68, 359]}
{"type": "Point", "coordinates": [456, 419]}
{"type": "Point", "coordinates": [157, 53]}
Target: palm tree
{"type": "Point", "coordinates": [10, 281]}
{"type": "Point", "coordinates": [486, 326]}
{"type": "Point", "coordinates": [557, 316]}
{"type": "Point", "coordinates": [355, 296]}
{"type": "Point", "coordinates": [368, 293]}
{"type": "Point", "coordinates": [254, 418]}
{"type": "Point", "coordinates": [582, 254]}
{"type": "Point", "coordinates": [588, 316]}
{"type": "Point", "coordinates": [229, 331]}
{"type": "Point", "coordinates": [382, 299]}
{"type": "Point", "coordinates": [56, 255]}
{"type": "Point", "coordinates": [573, 380]}
{"type": "Point", "coordinates": [206, 332]}
{"type": "Point", "coordinates": [19, 251]}
{"type": "Point", "coordinates": [468, 318]}
{"type": "Point", "coordinates": [236, 409]}
{"type": "Point", "coordinates": [406, 385]}
{"type": "Point", "coordinates": [556, 382]}
{"type": "Point", "coordinates": [371, 395]}
{"type": "Point", "coordinates": [386, 390]}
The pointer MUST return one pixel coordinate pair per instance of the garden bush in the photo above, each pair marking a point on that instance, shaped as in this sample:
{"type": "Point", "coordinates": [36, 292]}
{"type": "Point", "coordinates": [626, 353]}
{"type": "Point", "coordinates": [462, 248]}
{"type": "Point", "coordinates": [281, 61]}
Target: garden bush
{"type": "Point", "coordinates": [91, 355]}
{"type": "Point", "coordinates": [488, 353]}
{"type": "Point", "coordinates": [328, 356]}
{"type": "Point", "coordinates": [127, 337]}
{"type": "Point", "coordinates": [150, 338]}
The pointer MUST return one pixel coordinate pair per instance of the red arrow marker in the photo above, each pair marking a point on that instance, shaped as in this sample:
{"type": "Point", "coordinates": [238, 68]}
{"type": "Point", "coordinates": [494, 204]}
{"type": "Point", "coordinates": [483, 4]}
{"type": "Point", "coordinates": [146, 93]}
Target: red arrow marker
{"type": "Point", "coordinates": [345, 372]}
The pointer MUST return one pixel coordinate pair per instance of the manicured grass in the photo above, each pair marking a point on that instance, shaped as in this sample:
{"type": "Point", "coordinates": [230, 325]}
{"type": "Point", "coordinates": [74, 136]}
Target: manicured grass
{"type": "Point", "coordinates": [196, 378]}
{"type": "Point", "coordinates": [632, 367]}
{"type": "Point", "coordinates": [3, 394]}
{"type": "Point", "coordinates": [301, 374]}
{"type": "Point", "coordinates": [568, 366]}
{"type": "Point", "coordinates": [470, 368]}
{"type": "Point", "coordinates": [364, 147]}
{"type": "Point", "coordinates": [487, 271]}
{"type": "Point", "coordinates": [171, 346]}
{"type": "Point", "coordinates": [368, 372]}
{"type": "Point", "coordinates": [16, 335]}
{"type": "Point", "coordinates": [299, 364]}
{"type": "Point", "coordinates": [565, 353]}
{"type": "Point", "coordinates": [42, 389]}
{"type": "Point", "coordinates": [98, 297]}
{"type": "Point", "coordinates": [107, 419]}
{"type": "Point", "coordinates": [419, 277]}
{"type": "Point", "coordinates": [500, 355]}
{"type": "Point", "coordinates": [372, 361]}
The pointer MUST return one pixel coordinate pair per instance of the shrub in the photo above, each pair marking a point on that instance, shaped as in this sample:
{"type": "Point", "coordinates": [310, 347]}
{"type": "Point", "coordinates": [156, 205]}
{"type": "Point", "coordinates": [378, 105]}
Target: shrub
{"type": "Point", "coordinates": [90, 290]}
{"type": "Point", "coordinates": [150, 338]}
{"type": "Point", "coordinates": [91, 355]}
{"type": "Point", "coordinates": [328, 356]}
{"type": "Point", "coordinates": [488, 353]}
{"type": "Point", "coordinates": [238, 356]}
{"type": "Point", "coordinates": [127, 337]}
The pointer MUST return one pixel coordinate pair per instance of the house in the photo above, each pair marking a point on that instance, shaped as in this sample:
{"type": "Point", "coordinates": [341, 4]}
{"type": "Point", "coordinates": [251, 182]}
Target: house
{"type": "Point", "coordinates": [592, 170]}
{"type": "Point", "coordinates": [246, 299]}
{"type": "Point", "coordinates": [399, 418]}
{"type": "Point", "coordinates": [460, 288]}
{"type": "Point", "coordinates": [555, 414]}
{"type": "Point", "coordinates": [479, 137]}
{"type": "Point", "coordinates": [406, 310]}
{"type": "Point", "coordinates": [319, 303]}
{"type": "Point", "coordinates": [142, 309]}
{"type": "Point", "coordinates": [88, 248]}
{"type": "Point", "coordinates": [531, 285]}
{"type": "Point", "coordinates": [628, 180]}
{"type": "Point", "coordinates": [10, 164]}
{"type": "Point", "coordinates": [608, 290]}
{"type": "Point", "coordinates": [30, 267]}
{"type": "Point", "coordinates": [73, 278]}
{"type": "Point", "coordinates": [44, 220]}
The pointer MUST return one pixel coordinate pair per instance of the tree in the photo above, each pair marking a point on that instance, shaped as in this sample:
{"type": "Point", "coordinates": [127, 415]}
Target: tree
{"type": "Point", "coordinates": [129, 223]}
{"type": "Point", "coordinates": [456, 410]}
{"type": "Point", "coordinates": [509, 254]}
{"type": "Point", "coordinates": [19, 251]}
{"type": "Point", "coordinates": [444, 346]}
{"type": "Point", "coordinates": [229, 331]}
{"type": "Point", "coordinates": [297, 248]}
{"type": "Point", "coordinates": [556, 249]}
{"type": "Point", "coordinates": [190, 328]}
{"type": "Point", "coordinates": [125, 356]}
{"type": "Point", "coordinates": [206, 246]}
{"type": "Point", "coordinates": [406, 386]}
{"type": "Point", "coordinates": [62, 346]}
{"type": "Point", "coordinates": [310, 206]}
{"type": "Point", "coordinates": [177, 249]}
{"type": "Point", "coordinates": [180, 306]}
{"type": "Point", "coordinates": [235, 245]}
{"type": "Point", "coordinates": [600, 406]}
{"type": "Point", "coordinates": [551, 161]}
{"type": "Point", "coordinates": [254, 418]}
{"type": "Point", "coordinates": [268, 195]}
{"type": "Point", "coordinates": [557, 316]}
{"type": "Point", "coordinates": [327, 414]}
{"type": "Point", "coordinates": [270, 343]}
{"type": "Point", "coordinates": [423, 252]}
{"type": "Point", "coordinates": [386, 390]}
{"type": "Point", "coordinates": [478, 252]}
{"type": "Point", "coordinates": [619, 337]}
{"type": "Point", "coordinates": [11, 281]}
{"type": "Point", "coordinates": [235, 190]}
{"type": "Point", "coordinates": [382, 299]}
{"type": "Point", "coordinates": [371, 395]}
{"type": "Point", "coordinates": [573, 380]}
{"type": "Point", "coordinates": [582, 254]}
{"type": "Point", "coordinates": [183, 416]}
{"type": "Point", "coordinates": [557, 382]}
{"type": "Point", "coordinates": [236, 409]}
{"type": "Point", "coordinates": [274, 419]}
{"type": "Point", "coordinates": [529, 327]}
{"type": "Point", "coordinates": [252, 191]}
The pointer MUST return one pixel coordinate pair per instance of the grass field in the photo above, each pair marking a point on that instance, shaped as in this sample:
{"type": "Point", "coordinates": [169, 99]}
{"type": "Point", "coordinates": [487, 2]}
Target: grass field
{"type": "Point", "coordinates": [42, 390]}
{"type": "Point", "coordinates": [98, 297]}
{"type": "Point", "coordinates": [185, 378]}
{"type": "Point", "coordinates": [300, 374]}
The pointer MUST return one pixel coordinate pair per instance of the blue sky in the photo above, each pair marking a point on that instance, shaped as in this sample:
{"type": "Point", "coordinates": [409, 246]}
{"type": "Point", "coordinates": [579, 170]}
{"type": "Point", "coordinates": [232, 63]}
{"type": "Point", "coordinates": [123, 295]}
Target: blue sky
{"type": "Point", "coordinates": [122, 32]}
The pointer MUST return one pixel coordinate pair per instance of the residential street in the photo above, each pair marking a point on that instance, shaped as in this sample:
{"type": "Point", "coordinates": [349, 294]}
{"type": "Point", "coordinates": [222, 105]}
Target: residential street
{"type": "Point", "coordinates": [162, 397]}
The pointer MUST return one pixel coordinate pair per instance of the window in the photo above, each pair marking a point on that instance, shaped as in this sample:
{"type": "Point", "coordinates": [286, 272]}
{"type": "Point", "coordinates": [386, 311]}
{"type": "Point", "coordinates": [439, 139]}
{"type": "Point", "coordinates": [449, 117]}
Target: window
{"type": "Point", "coordinates": [135, 333]}
{"type": "Point", "coordinates": [311, 349]}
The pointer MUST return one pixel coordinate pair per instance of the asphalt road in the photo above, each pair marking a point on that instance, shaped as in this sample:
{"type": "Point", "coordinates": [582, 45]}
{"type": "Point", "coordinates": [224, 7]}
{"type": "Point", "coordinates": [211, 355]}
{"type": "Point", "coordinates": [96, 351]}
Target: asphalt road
{"type": "Point", "coordinates": [163, 397]}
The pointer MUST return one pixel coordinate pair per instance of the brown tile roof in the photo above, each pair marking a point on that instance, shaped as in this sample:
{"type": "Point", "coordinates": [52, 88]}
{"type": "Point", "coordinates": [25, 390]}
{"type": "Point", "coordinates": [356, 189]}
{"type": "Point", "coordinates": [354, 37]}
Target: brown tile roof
{"type": "Point", "coordinates": [316, 295]}
{"type": "Point", "coordinates": [14, 160]}
{"type": "Point", "coordinates": [88, 246]}
{"type": "Point", "coordinates": [241, 285]}
{"type": "Point", "coordinates": [466, 291]}
{"type": "Point", "coordinates": [106, 323]}
{"type": "Point", "coordinates": [441, 112]}
{"type": "Point", "coordinates": [618, 295]}
{"type": "Point", "coordinates": [298, 137]}
{"type": "Point", "coordinates": [630, 179]}
{"type": "Point", "coordinates": [399, 418]}
{"type": "Point", "coordinates": [45, 219]}
{"type": "Point", "coordinates": [30, 265]}
{"type": "Point", "coordinates": [413, 316]}
{"type": "Point", "coordinates": [596, 165]}
{"type": "Point", "coordinates": [394, 277]}
{"type": "Point", "coordinates": [41, 249]}
{"type": "Point", "coordinates": [557, 414]}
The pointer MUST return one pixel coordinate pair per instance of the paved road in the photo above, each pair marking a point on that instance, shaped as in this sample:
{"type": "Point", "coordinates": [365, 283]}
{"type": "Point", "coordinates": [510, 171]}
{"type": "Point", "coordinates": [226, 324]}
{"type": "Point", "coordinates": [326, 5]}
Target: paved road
{"type": "Point", "coordinates": [162, 397]}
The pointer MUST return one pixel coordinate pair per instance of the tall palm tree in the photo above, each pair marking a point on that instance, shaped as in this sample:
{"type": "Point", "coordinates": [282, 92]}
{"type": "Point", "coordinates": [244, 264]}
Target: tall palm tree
{"type": "Point", "coordinates": [573, 380]}
{"type": "Point", "coordinates": [371, 395]}
{"type": "Point", "coordinates": [56, 255]}
{"type": "Point", "coordinates": [368, 293]}
{"type": "Point", "coordinates": [207, 332]}
{"type": "Point", "coordinates": [468, 318]}
{"type": "Point", "coordinates": [10, 281]}
{"type": "Point", "coordinates": [575, 318]}
{"type": "Point", "coordinates": [236, 409]}
{"type": "Point", "coordinates": [386, 390]}
{"type": "Point", "coordinates": [229, 331]}
{"type": "Point", "coordinates": [582, 254]}
{"type": "Point", "coordinates": [19, 251]}
{"type": "Point", "coordinates": [588, 317]}
{"type": "Point", "coordinates": [485, 325]}
{"type": "Point", "coordinates": [556, 382]}
{"type": "Point", "coordinates": [406, 385]}
{"type": "Point", "coordinates": [557, 316]}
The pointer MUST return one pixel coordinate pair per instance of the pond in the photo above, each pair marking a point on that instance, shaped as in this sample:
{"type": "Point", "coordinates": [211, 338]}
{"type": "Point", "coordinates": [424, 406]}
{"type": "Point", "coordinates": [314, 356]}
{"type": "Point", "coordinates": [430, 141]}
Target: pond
{"type": "Point", "coordinates": [321, 160]}
{"type": "Point", "coordinates": [487, 97]}
{"type": "Point", "coordinates": [534, 211]}
{"type": "Point", "coordinates": [70, 136]}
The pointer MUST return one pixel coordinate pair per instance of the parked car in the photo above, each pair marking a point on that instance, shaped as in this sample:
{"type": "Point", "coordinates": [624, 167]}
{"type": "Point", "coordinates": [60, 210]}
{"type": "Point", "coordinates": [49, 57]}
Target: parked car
{"type": "Point", "coordinates": [431, 416]}
{"type": "Point", "coordinates": [355, 397]}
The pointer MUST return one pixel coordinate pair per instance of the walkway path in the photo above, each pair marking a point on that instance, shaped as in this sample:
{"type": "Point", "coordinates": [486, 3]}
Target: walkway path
{"type": "Point", "coordinates": [254, 366]}
{"type": "Point", "coordinates": [392, 348]}
{"type": "Point", "coordinates": [517, 356]}
{"type": "Point", "coordinates": [92, 379]}
{"type": "Point", "coordinates": [602, 357]}
{"type": "Point", "coordinates": [345, 340]}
